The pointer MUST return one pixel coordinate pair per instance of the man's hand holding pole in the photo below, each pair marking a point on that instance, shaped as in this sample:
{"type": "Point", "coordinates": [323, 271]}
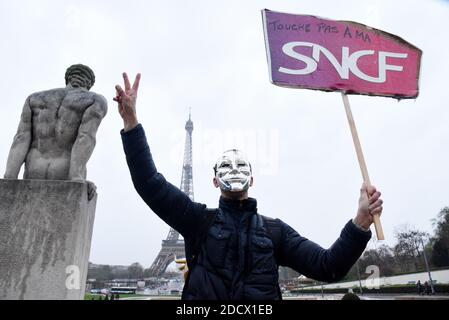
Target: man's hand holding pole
{"type": "Point", "coordinates": [370, 205]}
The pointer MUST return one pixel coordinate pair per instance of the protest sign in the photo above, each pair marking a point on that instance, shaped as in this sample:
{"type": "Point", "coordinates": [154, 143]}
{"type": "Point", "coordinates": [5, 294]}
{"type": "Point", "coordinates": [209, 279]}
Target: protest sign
{"type": "Point", "coordinates": [309, 52]}
{"type": "Point", "coordinates": [314, 53]}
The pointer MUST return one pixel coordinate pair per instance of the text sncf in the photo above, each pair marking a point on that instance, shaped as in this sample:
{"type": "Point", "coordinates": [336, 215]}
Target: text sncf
{"type": "Point", "coordinates": [348, 61]}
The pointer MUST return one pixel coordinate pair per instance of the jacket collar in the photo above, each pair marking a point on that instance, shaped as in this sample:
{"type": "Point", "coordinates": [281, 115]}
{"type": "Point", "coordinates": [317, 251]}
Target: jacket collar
{"type": "Point", "coordinates": [246, 205]}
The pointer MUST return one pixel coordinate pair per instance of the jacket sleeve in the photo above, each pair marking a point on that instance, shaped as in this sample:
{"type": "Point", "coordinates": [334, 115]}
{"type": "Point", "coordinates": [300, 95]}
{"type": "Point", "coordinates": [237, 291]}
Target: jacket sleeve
{"type": "Point", "coordinates": [167, 201]}
{"type": "Point", "coordinates": [328, 265]}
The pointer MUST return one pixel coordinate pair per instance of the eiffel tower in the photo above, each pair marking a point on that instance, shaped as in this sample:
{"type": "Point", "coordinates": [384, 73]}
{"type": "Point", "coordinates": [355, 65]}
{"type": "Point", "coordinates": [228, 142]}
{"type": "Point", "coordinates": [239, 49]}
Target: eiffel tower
{"type": "Point", "coordinates": [173, 246]}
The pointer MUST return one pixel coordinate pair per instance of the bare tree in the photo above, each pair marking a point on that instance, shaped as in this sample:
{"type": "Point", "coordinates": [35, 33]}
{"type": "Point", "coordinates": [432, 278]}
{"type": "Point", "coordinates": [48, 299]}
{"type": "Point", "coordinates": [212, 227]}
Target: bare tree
{"type": "Point", "coordinates": [135, 271]}
{"type": "Point", "coordinates": [440, 241]}
{"type": "Point", "coordinates": [408, 248]}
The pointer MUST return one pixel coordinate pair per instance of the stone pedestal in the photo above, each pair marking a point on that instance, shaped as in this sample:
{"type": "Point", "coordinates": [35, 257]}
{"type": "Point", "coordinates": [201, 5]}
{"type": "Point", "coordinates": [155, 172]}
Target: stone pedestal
{"type": "Point", "coordinates": [45, 236]}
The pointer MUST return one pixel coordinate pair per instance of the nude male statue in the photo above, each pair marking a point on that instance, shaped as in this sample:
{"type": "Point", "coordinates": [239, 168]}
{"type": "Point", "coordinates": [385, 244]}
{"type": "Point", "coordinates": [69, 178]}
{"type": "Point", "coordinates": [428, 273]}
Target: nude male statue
{"type": "Point", "coordinates": [56, 134]}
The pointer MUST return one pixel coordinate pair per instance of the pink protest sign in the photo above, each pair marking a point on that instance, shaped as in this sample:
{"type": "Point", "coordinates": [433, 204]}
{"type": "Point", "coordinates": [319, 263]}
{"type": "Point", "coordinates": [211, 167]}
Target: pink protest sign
{"type": "Point", "coordinates": [314, 53]}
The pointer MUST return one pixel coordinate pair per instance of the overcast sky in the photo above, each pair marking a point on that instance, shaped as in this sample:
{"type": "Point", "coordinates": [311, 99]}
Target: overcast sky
{"type": "Point", "coordinates": [210, 56]}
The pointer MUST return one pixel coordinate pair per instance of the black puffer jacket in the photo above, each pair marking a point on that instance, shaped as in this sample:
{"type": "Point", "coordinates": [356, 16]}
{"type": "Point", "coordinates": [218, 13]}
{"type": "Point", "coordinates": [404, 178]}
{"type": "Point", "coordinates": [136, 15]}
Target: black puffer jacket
{"type": "Point", "coordinates": [237, 259]}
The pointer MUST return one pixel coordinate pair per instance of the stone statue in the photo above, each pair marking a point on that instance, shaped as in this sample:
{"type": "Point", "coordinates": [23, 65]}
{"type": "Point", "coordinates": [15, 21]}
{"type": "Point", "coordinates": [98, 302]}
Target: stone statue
{"type": "Point", "coordinates": [56, 134]}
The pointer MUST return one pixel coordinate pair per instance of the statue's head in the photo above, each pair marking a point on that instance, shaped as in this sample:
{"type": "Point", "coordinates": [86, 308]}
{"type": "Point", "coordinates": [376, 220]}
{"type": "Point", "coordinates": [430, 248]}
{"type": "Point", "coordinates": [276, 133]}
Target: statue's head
{"type": "Point", "coordinates": [80, 76]}
{"type": "Point", "coordinates": [233, 172]}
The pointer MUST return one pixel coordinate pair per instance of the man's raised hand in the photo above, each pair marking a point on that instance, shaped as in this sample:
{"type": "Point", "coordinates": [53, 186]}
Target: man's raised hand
{"type": "Point", "coordinates": [126, 100]}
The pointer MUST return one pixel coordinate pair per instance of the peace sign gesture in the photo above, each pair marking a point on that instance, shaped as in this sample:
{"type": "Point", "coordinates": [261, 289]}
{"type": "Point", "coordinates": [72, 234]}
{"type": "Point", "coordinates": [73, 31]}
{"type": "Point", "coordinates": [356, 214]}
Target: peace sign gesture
{"type": "Point", "coordinates": [126, 100]}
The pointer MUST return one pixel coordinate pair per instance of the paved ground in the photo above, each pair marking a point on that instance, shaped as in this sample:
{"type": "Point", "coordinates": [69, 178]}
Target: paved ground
{"type": "Point", "coordinates": [142, 297]}
{"type": "Point", "coordinates": [318, 297]}
{"type": "Point", "coordinates": [404, 297]}
{"type": "Point", "coordinates": [368, 297]}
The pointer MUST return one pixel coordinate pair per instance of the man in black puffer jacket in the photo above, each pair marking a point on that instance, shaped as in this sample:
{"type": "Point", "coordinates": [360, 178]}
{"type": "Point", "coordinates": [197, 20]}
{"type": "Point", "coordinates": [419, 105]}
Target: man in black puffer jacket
{"type": "Point", "coordinates": [237, 257]}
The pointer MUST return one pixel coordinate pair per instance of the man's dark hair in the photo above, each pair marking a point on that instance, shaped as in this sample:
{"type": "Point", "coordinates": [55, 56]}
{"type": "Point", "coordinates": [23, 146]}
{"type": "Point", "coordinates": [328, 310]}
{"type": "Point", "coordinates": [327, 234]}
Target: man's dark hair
{"type": "Point", "coordinates": [350, 296]}
{"type": "Point", "coordinates": [82, 70]}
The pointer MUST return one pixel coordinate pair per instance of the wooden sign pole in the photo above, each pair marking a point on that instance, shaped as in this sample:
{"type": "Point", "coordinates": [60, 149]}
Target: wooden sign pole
{"type": "Point", "coordinates": [358, 150]}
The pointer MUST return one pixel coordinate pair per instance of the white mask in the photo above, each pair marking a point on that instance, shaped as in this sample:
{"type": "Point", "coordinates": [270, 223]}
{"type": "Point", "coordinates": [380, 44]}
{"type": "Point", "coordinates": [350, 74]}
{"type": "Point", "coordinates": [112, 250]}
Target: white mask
{"type": "Point", "coordinates": [233, 171]}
